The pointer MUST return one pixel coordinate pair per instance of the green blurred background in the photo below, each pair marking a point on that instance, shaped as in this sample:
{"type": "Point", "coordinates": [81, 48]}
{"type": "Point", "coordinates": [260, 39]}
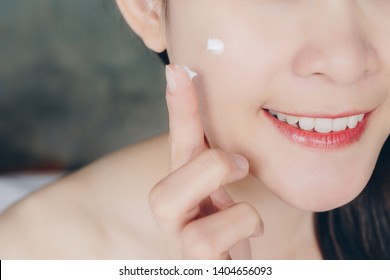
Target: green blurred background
{"type": "Point", "coordinates": [75, 84]}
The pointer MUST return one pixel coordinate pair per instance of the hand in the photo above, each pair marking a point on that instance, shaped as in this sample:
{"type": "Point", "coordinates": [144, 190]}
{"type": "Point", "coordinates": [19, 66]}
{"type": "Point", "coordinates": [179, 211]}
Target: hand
{"type": "Point", "coordinates": [190, 205]}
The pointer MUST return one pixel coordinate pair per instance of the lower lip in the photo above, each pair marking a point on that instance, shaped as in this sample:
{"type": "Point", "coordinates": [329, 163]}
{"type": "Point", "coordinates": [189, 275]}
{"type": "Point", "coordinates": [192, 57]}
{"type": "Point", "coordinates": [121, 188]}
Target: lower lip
{"type": "Point", "coordinates": [312, 139]}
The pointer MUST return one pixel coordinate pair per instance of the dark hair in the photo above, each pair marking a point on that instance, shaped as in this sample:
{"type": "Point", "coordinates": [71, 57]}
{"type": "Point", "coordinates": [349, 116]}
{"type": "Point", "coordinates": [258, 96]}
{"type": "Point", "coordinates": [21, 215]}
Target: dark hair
{"type": "Point", "coordinates": [164, 57]}
{"type": "Point", "coordinates": [360, 229]}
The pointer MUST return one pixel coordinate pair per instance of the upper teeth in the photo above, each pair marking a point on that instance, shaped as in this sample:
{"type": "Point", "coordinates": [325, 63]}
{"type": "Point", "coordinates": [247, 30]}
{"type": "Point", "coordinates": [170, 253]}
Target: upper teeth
{"type": "Point", "coordinates": [322, 125]}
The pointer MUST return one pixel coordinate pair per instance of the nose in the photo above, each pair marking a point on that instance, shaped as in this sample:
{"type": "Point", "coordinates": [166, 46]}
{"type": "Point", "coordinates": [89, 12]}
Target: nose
{"type": "Point", "coordinates": [336, 50]}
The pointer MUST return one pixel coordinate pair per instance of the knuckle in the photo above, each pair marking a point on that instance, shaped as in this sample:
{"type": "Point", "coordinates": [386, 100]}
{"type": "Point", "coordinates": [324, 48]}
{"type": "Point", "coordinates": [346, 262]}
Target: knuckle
{"type": "Point", "coordinates": [252, 217]}
{"type": "Point", "coordinates": [218, 160]}
{"type": "Point", "coordinates": [153, 198]}
{"type": "Point", "coordinates": [197, 242]}
{"type": "Point", "coordinates": [161, 210]}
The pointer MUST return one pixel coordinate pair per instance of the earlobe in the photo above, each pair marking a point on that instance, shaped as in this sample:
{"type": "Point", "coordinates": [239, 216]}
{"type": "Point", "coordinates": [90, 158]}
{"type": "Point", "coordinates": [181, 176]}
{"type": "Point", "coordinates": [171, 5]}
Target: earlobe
{"type": "Point", "coordinates": [145, 17]}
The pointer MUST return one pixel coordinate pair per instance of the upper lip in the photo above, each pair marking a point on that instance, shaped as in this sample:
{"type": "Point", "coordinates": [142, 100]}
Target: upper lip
{"type": "Point", "coordinates": [343, 114]}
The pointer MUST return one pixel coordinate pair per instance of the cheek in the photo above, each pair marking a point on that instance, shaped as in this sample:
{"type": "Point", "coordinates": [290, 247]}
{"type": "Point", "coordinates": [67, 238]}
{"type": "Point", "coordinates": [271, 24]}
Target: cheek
{"type": "Point", "coordinates": [232, 85]}
{"type": "Point", "coordinates": [312, 180]}
{"type": "Point", "coordinates": [250, 59]}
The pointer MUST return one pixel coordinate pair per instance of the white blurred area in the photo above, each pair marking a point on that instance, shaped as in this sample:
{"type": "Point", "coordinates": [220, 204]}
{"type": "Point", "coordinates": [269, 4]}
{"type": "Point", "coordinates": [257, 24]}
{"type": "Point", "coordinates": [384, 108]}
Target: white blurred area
{"type": "Point", "coordinates": [16, 186]}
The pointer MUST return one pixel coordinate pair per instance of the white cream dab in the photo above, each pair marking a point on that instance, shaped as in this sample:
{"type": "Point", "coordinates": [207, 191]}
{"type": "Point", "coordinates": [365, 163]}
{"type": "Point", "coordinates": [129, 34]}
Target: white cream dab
{"type": "Point", "coordinates": [215, 46]}
{"type": "Point", "coordinates": [192, 74]}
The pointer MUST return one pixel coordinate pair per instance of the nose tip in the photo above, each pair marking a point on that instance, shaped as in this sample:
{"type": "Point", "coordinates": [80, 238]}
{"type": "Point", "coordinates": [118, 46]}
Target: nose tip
{"type": "Point", "coordinates": [344, 62]}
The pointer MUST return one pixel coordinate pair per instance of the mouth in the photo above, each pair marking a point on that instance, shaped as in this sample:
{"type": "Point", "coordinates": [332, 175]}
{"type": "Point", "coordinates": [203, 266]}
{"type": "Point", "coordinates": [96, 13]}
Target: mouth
{"type": "Point", "coordinates": [330, 132]}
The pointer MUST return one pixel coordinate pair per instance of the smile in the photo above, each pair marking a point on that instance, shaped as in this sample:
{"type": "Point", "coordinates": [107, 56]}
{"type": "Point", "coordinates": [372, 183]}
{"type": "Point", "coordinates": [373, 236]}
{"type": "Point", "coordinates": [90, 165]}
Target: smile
{"type": "Point", "coordinates": [321, 125]}
{"type": "Point", "coordinates": [316, 132]}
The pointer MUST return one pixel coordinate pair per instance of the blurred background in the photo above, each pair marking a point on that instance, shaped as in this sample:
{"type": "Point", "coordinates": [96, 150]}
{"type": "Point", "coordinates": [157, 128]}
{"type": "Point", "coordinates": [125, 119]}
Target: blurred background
{"type": "Point", "coordinates": [75, 84]}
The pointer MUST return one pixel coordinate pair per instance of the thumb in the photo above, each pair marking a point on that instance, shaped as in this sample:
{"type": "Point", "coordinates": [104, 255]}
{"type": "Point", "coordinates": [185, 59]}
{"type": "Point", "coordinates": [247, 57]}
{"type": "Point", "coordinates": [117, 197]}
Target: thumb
{"type": "Point", "coordinates": [221, 199]}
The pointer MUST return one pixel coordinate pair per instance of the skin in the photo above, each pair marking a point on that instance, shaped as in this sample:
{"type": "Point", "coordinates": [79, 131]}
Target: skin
{"type": "Point", "coordinates": [226, 180]}
{"type": "Point", "coordinates": [304, 69]}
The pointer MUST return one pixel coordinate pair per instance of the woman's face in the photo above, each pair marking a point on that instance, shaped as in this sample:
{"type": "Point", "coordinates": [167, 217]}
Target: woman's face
{"type": "Point", "coordinates": [327, 61]}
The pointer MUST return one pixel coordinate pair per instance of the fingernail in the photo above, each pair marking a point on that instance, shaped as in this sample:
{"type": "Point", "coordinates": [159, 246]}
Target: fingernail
{"type": "Point", "coordinates": [240, 162]}
{"type": "Point", "coordinates": [171, 83]}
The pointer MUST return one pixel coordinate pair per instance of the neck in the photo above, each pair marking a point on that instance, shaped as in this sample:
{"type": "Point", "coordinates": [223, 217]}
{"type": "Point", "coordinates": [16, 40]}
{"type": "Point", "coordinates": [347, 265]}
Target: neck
{"type": "Point", "coordinates": [288, 231]}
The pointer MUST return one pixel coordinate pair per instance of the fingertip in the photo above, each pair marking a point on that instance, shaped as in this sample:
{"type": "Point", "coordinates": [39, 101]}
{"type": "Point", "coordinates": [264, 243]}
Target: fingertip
{"type": "Point", "coordinates": [240, 162]}
{"type": "Point", "coordinates": [170, 77]}
{"type": "Point", "coordinates": [191, 74]}
{"type": "Point", "coordinates": [179, 76]}
{"type": "Point", "coordinates": [221, 199]}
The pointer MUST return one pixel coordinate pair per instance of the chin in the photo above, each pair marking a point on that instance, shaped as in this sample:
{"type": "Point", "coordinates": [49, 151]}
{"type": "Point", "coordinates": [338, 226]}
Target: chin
{"type": "Point", "coordinates": [316, 191]}
{"type": "Point", "coordinates": [318, 200]}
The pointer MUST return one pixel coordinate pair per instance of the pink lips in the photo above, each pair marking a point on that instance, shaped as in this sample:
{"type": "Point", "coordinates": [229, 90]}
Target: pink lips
{"type": "Point", "coordinates": [312, 139]}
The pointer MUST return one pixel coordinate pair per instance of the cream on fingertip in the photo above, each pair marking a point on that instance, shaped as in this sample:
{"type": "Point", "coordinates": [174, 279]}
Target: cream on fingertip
{"type": "Point", "coordinates": [192, 74]}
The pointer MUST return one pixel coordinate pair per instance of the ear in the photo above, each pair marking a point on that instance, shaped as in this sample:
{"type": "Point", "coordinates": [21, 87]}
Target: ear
{"type": "Point", "coordinates": [145, 17]}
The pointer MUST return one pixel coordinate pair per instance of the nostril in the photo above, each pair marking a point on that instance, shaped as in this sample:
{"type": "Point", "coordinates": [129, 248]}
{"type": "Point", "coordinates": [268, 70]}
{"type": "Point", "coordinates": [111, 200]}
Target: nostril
{"type": "Point", "coordinates": [344, 61]}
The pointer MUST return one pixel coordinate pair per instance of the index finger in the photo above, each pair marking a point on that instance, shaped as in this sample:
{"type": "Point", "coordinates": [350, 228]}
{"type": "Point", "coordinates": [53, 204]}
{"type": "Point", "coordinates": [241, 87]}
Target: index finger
{"type": "Point", "coordinates": [185, 128]}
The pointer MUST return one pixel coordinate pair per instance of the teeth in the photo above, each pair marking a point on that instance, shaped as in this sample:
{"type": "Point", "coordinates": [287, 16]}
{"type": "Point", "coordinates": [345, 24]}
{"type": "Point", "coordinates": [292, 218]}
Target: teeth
{"type": "Point", "coordinates": [321, 125]}
{"type": "Point", "coordinates": [292, 120]}
{"type": "Point", "coordinates": [306, 123]}
{"type": "Point", "coordinates": [340, 124]}
{"type": "Point", "coordinates": [352, 122]}
{"type": "Point", "coordinates": [281, 117]}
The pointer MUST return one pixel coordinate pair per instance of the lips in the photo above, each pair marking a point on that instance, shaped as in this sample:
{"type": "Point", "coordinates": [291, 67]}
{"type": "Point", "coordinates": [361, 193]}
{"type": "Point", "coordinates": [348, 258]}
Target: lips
{"type": "Point", "coordinates": [320, 133]}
